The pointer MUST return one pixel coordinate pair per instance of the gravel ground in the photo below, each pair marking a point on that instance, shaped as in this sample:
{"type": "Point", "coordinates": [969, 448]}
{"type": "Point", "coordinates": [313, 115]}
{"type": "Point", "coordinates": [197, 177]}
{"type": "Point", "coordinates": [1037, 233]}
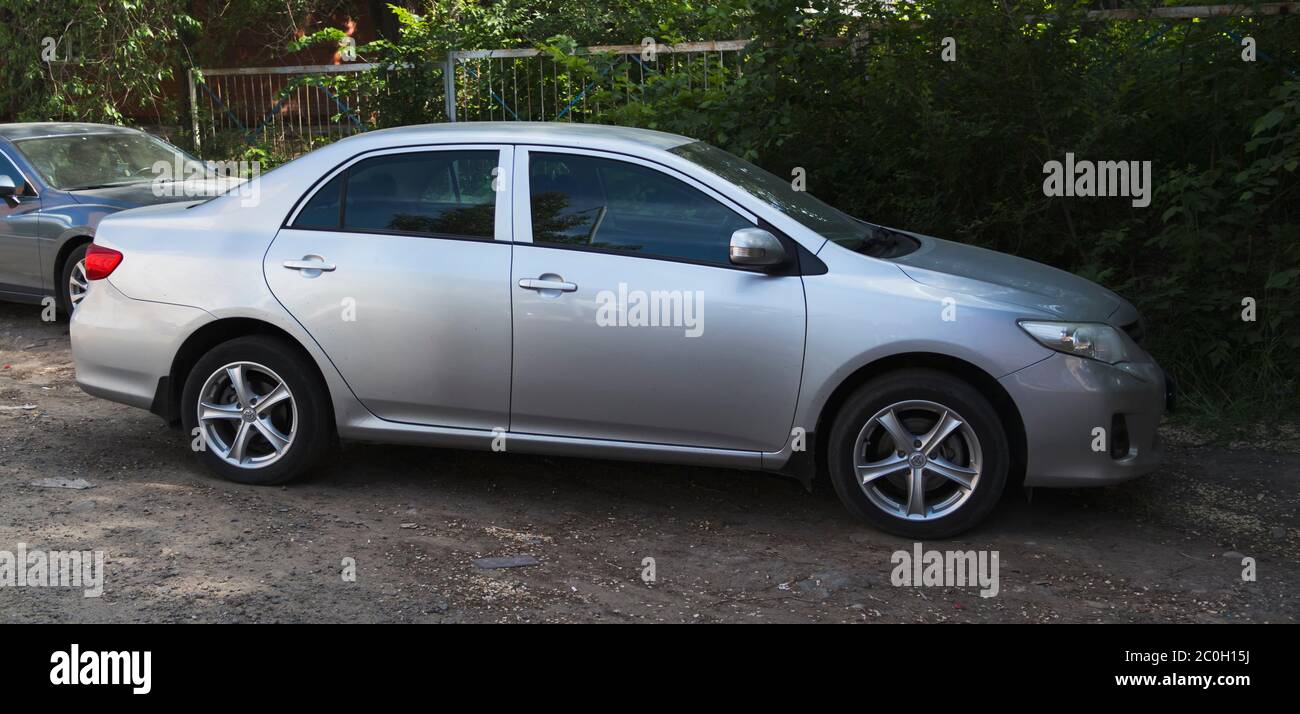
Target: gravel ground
{"type": "Point", "coordinates": [727, 546]}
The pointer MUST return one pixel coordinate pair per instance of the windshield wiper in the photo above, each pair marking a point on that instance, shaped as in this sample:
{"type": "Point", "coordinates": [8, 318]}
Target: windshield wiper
{"type": "Point", "coordinates": [93, 186]}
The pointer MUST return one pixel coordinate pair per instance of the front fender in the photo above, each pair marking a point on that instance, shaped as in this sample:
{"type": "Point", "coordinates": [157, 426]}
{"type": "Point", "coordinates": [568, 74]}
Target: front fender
{"type": "Point", "coordinates": [864, 310]}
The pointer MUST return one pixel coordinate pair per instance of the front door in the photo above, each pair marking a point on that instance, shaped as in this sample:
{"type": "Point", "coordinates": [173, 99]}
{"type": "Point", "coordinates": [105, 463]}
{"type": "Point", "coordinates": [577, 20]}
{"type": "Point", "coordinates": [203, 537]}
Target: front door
{"type": "Point", "coordinates": [629, 321]}
{"type": "Point", "coordinates": [20, 257]}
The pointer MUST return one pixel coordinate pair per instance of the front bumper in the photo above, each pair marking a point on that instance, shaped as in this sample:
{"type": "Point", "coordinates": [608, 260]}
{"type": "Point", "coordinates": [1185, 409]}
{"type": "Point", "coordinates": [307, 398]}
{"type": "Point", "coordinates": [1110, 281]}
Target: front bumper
{"type": "Point", "coordinates": [122, 347]}
{"type": "Point", "coordinates": [1065, 400]}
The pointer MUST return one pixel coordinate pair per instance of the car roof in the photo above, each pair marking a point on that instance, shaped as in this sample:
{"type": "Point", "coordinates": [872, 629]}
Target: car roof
{"type": "Point", "coordinates": [526, 132]}
{"type": "Point", "coordinates": [32, 130]}
{"type": "Point", "coordinates": [594, 135]}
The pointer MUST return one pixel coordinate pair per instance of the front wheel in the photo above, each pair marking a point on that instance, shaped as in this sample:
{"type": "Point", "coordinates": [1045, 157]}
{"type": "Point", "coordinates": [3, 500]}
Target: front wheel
{"type": "Point", "coordinates": [919, 453]}
{"type": "Point", "coordinates": [257, 410]}
{"type": "Point", "coordinates": [72, 288]}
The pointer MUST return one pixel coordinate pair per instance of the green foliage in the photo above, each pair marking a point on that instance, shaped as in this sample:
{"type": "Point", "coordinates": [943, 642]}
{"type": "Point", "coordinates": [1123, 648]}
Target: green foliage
{"type": "Point", "coordinates": [407, 87]}
{"type": "Point", "coordinates": [120, 61]}
{"type": "Point", "coordinates": [109, 58]}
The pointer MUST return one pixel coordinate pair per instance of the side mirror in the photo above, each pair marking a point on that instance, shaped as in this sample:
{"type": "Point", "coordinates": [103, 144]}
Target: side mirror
{"type": "Point", "coordinates": [7, 187]}
{"type": "Point", "coordinates": [756, 247]}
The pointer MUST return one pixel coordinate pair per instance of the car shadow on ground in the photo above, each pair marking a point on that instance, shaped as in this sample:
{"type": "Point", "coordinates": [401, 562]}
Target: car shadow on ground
{"type": "Point", "coordinates": [1182, 497]}
{"type": "Point", "coordinates": [701, 492]}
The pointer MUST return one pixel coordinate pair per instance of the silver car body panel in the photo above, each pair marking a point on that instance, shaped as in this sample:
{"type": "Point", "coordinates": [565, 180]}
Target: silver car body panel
{"type": "Point", "coordinates": [777, 347]}
{"type": "Point", "coordinates": [134, 343]}
{"type": "Point", "coordinates": [847, 333]}
{"type": "Point", "coordinates": [997, 276]}
{"type": "Point", "coordinates": [1064, 399]}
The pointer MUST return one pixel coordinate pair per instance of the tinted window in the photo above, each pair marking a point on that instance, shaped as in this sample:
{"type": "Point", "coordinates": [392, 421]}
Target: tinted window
{"type": "Point", "coordinates": [447, 193]}
{"type": "Point", "coordinates": [615, 205]}
{"type": "Point", "coordinates": [438, 193]}
{"type": "Point", "coordinates": [322, 211]}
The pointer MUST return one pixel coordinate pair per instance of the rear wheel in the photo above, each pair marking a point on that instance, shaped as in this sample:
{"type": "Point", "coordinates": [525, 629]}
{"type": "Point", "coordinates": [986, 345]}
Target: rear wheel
{"type": "Point", "coordinates": [258, 411]}
{"type": "Point", "coordinates": [919, 453]}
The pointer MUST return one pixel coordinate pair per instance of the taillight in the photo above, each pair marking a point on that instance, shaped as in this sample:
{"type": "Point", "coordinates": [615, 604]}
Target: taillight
{"type": "Point", "coordinates": [101, 261]}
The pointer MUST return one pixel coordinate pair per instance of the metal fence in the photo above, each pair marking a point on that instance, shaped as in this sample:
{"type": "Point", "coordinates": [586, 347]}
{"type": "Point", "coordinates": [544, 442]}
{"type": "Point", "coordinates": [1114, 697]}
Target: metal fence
{"type": "Point", "coordinates": [530, 85]}
{"type": "Point", "coordinates": [293, 109]}
{"type": "Point", "coordinates": [288, 109]}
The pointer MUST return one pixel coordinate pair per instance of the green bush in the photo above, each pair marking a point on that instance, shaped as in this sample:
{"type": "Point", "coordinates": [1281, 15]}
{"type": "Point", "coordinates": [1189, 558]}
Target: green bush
{"type": "Point", "coordinates": [75, 60]}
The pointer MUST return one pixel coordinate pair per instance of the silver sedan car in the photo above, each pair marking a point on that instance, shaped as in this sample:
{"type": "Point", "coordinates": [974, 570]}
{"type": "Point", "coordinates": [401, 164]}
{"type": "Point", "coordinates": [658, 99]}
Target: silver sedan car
{"type": "Point", "coordinates": [612, 293]}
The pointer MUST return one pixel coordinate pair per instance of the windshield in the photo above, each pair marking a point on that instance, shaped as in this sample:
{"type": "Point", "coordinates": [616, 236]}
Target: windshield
{"type": "Point", "coordinates": [826, 220]}
{"type": "Point", "coordinates": [83, 161]}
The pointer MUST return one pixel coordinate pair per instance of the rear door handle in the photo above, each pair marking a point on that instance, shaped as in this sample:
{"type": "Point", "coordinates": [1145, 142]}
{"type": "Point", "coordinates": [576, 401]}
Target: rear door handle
{"type": "Point", "coordinates": [320, 265]}
{"type": "Point", "coordinates": [535, 284]}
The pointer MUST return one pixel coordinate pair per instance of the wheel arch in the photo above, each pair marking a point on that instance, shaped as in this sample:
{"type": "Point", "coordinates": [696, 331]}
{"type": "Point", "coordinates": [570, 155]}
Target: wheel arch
{"type": "Point", "coordinates": [201, 341]}
{"type": "Point", "coordinates": [987, 385]}
{"type": "Point", "coordinates": [66, 246]}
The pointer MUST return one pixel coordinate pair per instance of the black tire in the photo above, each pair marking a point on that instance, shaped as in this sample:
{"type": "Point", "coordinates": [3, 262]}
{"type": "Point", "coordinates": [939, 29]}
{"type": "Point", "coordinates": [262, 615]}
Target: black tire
{"type": "Point", "coordinates": [930, 386]}
{"type": "Point", "coordinates": [63, 293]}
{"type": "Point", "coordinates": [312, 431]}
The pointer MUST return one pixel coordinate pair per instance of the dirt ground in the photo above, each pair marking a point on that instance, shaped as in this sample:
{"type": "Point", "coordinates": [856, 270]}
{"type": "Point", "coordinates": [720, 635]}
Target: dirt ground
{"type": "Point", "coordinates": [727, 546]}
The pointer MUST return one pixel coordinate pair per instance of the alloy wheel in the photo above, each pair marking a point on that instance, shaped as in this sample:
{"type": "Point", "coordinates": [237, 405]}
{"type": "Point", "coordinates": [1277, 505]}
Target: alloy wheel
{"type": "Point", "coordinates": [247, 415]}
{"type": "Point", "coordinates": [78, 284]}
{"type": "Point", "coordinates": [917, 460]}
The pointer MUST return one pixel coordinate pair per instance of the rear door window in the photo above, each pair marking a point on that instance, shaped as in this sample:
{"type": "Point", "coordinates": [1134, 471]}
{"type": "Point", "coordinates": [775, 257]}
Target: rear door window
{"type": "Point", "coordinates": [436, 193]}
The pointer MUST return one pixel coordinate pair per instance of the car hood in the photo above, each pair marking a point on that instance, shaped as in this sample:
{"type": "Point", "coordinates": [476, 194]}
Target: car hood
{"type": "Point", "coordinates": [143, 193]}
{"type": "Point", "coordinates": [997, 276]}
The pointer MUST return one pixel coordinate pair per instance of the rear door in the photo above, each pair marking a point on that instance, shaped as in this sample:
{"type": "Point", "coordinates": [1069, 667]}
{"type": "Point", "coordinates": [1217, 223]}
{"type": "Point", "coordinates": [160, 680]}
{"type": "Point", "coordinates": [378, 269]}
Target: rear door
{"type": "Point", "coordinates": [398, 266]}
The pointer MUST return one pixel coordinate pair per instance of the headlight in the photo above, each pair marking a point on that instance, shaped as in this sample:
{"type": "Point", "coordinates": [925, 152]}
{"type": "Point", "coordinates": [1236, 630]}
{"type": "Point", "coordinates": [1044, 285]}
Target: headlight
{"type": "Point", "coordinates": [1093, 340]}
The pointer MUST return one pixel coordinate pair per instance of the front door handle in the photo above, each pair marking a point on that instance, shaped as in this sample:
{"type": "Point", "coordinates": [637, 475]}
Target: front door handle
{"type": "Point", "coordinates": [536, 284]}
{"type": "Point", "coordinates": [307, 264]}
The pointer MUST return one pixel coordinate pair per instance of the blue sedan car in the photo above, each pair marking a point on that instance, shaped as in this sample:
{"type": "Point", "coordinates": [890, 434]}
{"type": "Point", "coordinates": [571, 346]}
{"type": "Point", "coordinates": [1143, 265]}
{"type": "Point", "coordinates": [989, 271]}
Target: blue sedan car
{"type": "Point", "coordinates": [57, 181]}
